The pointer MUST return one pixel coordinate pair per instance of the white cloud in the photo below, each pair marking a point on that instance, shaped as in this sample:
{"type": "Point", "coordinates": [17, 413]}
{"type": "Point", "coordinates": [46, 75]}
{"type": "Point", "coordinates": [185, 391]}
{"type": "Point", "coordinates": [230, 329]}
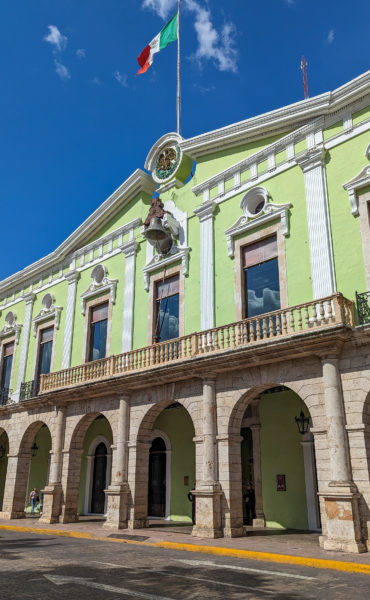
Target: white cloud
{"type": "Point", "coordinates": [62, 70]}
{"type": "Point", "coordinates": [161, 7]}
{"type": "Point", "coordinates": [121, 78]}
{"type": "Point", "coordinates": [56, 38]}
{"type": "Point", "coordinates": [96, 81]}
{"type": "Point", "coordinates": [218, 47]}
{"type": "Point", "coordinates": [330, 38]}
{"type": "Point", "coordinates": [81, 53]}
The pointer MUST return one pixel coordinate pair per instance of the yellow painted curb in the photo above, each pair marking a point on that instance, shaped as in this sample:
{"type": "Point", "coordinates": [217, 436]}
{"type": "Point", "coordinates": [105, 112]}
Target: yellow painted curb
{"type": "Point", "coordinates": [315, 563]}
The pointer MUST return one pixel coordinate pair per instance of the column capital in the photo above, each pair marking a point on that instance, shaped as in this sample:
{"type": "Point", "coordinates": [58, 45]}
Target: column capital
{"type": "Point", "coordinates": [312, 159]}
{"type": "Point", "coordinates": [209, 379]}
{"type": "Point", "coordinates": [29, 298]}
{"type": "Point", "coordinates": [331, 359]}
{"type": "Point", "coordinates": [205, 211]}
{"type": "Point", "coordinates": [72, 277]}
{"type": "Point", "coordinates": [130, 248]}
{"type": "Point", "coordinates": [124, 396]}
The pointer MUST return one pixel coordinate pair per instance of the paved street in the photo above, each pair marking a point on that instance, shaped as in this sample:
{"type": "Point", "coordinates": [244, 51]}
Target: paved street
{"type": "Point", "coordinates": [48, 567]}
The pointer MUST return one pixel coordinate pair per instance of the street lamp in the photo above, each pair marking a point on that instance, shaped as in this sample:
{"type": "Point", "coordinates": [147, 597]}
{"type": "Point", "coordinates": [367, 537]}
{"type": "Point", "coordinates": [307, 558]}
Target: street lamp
{"type": "Point", "coordinates": [34, 449]}
{"type": "Point", "coordinates": [302, 423]}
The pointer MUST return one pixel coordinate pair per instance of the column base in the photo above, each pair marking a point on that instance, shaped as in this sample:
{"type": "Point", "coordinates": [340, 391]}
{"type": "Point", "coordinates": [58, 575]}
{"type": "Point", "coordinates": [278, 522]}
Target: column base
{"type": "Point", "coordinates": [233, 532]}
{"type": "Point", "coordinates": [208, 511]}
{"type": "Point", "coordinates": [342, 530]}
{"type": "Point", "coordinates": [138, 524]}
{"type": "Point", "coordinates": [259, 522]}
{"type": "Point", "coordinates": [117, 496]}
{"type": "Point", "coordinates": [66, 517]}
{"type": "Point", "coordinates": [52, 498]}
{"type": "Point", "coordinates": [8, 515]}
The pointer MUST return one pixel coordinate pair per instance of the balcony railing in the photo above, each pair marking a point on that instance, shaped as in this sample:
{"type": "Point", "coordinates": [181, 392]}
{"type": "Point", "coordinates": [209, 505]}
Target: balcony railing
{"type": "Point", "coordinates": [280, 324]}
{"type": "Point", "coordinates": [363, 307]}
{"type": "Point", "coordinates": [5, 396]}
{"type": "Point", "coordinates": [29, 389]}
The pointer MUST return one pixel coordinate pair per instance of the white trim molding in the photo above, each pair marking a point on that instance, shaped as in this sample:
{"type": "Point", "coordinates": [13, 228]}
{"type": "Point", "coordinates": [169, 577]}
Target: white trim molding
{"type": "Point", "coordinates": [48, 312]}
{"type": "Point", "coordinates": [269, 212]}
{"type": "Point", "coordinates": [99, 286]}
{"type": "Point", "coordinates": [11, 327]}
{"type": "Point", "coordinates": [205, 213]}
{"type": "Point", "coordinates": [312, 164]}
{"type": "Point", "coordinates": [177, 253]}
{"type": "Point", "coordinates": [360, 181]}
{"type": "Point", "coordinates": [29, 300]}
{"type": "Point", "coordinates": [129, 250]}
{"type": "Point", "coordinates": [72, 278]}
{"type": "Point", "coordinates": [158, 433]}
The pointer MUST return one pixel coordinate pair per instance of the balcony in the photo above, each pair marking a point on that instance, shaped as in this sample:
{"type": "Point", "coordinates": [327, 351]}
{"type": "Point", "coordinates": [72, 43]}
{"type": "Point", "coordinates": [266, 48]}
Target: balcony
{"type": "Point", "coordinates": [363, 307]}
{"type": "Point", "coordinates": [29, 389]}
{"type": "Point", "coordinates": [252, 333]}
{"type": "Point", "coordinates": [5, 396]}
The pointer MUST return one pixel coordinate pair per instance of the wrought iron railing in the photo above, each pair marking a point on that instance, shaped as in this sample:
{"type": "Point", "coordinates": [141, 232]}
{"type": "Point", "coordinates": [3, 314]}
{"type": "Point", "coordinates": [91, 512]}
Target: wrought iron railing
{"type": "Point", "coordinates": [29, 389]}
{"type": "Point", "coordinates": [5, 395]}
{"type": "Point", "coordinates": [285, 323]}
{"type": "Point", "coordinates": [363, 307]}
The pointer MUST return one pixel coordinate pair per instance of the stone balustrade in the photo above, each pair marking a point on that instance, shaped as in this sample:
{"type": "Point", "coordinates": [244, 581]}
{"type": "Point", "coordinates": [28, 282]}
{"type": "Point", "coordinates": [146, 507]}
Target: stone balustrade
{"type": "Point", "coordinates": [303, 318]}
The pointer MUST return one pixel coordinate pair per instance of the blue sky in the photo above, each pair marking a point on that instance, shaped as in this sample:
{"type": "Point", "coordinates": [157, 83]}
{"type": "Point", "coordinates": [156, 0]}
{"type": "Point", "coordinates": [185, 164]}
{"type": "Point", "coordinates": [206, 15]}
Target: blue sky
{"type": "Point", "coordinates": [75, 121]}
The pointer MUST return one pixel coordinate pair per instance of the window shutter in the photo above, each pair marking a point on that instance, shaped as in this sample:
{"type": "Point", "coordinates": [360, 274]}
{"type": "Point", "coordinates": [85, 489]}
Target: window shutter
{"type": "Point", "coordinates": [99, 313]}
{"type": "Point", "coordinates": [260, 252]}
{"type": "Point", "coordinates": [8, 349]}
{"type": "Point", "coordinates": [169, 287]}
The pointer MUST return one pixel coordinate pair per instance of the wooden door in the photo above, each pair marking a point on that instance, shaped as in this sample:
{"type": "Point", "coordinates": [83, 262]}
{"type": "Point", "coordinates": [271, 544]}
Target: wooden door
{"type": "Point", "coordinates": [99, 480]}
{"type": "Point", "coordinates": [157, 479]}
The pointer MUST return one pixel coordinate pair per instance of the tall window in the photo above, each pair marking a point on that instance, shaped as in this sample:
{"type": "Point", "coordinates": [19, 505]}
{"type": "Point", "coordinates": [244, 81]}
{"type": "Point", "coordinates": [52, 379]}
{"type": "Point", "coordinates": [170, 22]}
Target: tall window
{"type": "Point", "coordinates": [7, 363]}
{"type": "Point", "coordinates": [98, 331]}
{"type": "Point", "coordinates": [166, 324]}
{"type": "Point", "coordinates": [261, 271]}
{"type": "Point", "coordinates": [45, 350]}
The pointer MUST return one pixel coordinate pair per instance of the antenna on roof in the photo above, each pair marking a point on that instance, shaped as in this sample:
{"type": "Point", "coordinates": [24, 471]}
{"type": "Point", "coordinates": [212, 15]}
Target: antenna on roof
{"type": "Point", "coordinates": [304, 65]}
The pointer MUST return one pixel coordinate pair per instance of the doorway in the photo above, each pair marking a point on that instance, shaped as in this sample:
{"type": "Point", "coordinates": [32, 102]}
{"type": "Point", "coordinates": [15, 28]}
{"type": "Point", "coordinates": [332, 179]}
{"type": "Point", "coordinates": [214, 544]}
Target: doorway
{"type": "Point", "coordinates": [157, 479]}
{"type": "Point", "coordinates": [99, 480]}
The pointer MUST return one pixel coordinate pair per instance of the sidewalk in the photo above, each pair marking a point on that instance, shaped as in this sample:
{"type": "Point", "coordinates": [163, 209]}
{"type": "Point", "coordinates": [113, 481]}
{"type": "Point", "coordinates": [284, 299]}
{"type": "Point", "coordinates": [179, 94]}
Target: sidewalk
{"type": "Point", "coordinates": [272, 545]}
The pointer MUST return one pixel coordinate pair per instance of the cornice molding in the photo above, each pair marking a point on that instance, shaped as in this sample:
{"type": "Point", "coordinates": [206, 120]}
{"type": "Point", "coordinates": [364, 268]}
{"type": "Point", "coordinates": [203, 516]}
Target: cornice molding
{"type": "Point", "coordinates": [360, 181]}
{"type": "Point", "coordinates": [158, 261]}
{"type": "Point", "coordinates": [244, 224]}
{"type": "Point", "coordinates": [47, 314]}
{"type": "Point", "coordinates": [278, 120]}
{"type": "Point", "coordinates": [130, 248]}
{"type": "Point", "coordinates": [72, 277]}
{"type": "Point", "coordinates": [106, 285]}
{"type": "Point", "coordinates": [205, 211]}
{"type": "Point", "coordinates": [313, 158]}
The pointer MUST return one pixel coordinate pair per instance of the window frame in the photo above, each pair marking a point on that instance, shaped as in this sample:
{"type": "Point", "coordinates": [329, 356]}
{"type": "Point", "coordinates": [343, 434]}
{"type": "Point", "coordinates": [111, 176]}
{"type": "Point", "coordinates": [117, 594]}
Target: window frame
{"type": "Point", "coordinates": [239, 275]}
{"type": "Point", "coordinates": [40, 328]}
{"type": "Point", "coordinates": [4, 342]}
{"type": "Point", "coordinates": [364, 211]}
{"type": "Point", "coordinates": [157, 278]}
{"type": "Point", "coordinates": [103, 299]}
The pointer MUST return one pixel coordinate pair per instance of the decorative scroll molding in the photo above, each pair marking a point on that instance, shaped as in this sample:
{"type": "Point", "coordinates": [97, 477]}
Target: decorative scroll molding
{"type": "Point", "coordinates": [101, 283]}
{"type": "Point", "coordinates": [270, 212]}
{"type": "Point", "coordinates": [312, 159]}
{"type": "Point", "coordinates": [45, 315]}
{"type": "Point", "coordinates": [157, 262]}
{"type": "Point", "coordinates": [361, 180]}
{"type": "Point", "coordinates": [11, 327]}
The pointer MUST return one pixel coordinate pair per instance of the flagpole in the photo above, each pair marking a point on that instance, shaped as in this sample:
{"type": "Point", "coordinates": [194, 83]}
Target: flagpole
{"type": "Point", "coordinates": [178, 98]}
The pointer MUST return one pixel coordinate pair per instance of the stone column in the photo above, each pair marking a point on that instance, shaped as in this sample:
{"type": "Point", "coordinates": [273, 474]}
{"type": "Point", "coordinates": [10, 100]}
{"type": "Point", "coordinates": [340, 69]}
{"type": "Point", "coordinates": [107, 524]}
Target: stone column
{"type": "Point", "coordinates": [312, 164]}
{"type": "Point", "coordinates": [138, 477]}
{"type": "Point", "coordinates": [72, 277]}
{"type": "Point", "coordinates": [342, 526]}
{"type": "Point", "coordinates": [117, 492]}
{"type": "Point", "coordinates": [29, 300]}
{"type": "Point", "coordinates": [53, 490]}
{"type": "Point", "coordinates": [310, 480]}
{"type": "Point", "coordinates": [208, 490]}
{"type": "Point", "coordinates": [230, 477]}
{"type": "Point", "coordinates": [207, 276]}
{"type": "Point", "coordinates": [259, 521]}
{"type": "Point", "coordinates": [129, 251]}
{"type": "Point", "coordinates": [16, 485]}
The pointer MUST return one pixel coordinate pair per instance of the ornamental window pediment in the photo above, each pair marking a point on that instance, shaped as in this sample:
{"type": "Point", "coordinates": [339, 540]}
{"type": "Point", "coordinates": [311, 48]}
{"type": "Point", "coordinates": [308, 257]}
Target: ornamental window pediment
{"type": "Point", "coordinates": [11, 327]}
{"type": "Point", "coordinates": [360, 181]}
{"type": "Point", "coordinates": [257, 210]}
{"type": "Point", "coordinates": [49, 311]}
{"type": "Point", "coordinates": [100, 284]}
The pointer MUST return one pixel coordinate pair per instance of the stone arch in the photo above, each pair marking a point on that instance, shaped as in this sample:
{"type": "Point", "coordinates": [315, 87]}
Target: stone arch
{"type": "Point", "coordinates": [145, 409]}
{"type": "Point", "coordinates": [72, 462]}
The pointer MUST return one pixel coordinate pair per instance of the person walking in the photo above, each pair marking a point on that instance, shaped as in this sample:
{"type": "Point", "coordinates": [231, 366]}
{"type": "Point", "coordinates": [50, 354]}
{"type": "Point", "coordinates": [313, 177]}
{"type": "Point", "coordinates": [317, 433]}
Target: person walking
{"type": "Point", "coordinates": [191, 498]}
{"type": "Point", "coordinates": [34, 498]}
{"type": "Point", "coordinates": [250, 504]}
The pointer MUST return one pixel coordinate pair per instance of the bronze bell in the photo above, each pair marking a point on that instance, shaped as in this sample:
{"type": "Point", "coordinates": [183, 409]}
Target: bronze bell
{"type": "Point", "coordinates": [155, 231]}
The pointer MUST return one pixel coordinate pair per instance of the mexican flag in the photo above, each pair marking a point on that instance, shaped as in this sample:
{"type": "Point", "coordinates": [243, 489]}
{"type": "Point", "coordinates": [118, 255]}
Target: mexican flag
{"type": "Point", "coordinates": [167, 35]}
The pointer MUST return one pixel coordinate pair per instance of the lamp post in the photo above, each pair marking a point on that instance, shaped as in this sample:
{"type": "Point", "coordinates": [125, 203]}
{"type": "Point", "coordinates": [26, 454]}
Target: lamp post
{"type": "Point", "coordinates": [34, 448]}
{"type": "Point", "coordinates": [302, 423]}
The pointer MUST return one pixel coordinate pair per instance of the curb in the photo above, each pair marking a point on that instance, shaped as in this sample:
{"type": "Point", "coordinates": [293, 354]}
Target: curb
{"type": "Point", "coordinates": [313, 563]}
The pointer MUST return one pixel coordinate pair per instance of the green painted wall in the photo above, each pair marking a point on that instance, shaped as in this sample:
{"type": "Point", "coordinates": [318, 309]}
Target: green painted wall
{"type": "Point", "coordinates": [40, 463]}
{"type": "Point", "coordinates": [281, 453]}
{"type": "Point", "coordinates": [4, 443]}
{"type": "Point", "coordinates": [97, 427]}
{"type": "Point", "coordinates": [177, 424]}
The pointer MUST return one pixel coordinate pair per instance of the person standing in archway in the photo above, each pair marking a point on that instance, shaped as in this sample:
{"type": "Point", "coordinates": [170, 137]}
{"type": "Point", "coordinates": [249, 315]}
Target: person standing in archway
{"type": "Point", "coordinates": [250, 504]}
{"type": "Point", "coordinates": [191, 498]}
{"type": "Point", "coordinates": [34, 498]}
